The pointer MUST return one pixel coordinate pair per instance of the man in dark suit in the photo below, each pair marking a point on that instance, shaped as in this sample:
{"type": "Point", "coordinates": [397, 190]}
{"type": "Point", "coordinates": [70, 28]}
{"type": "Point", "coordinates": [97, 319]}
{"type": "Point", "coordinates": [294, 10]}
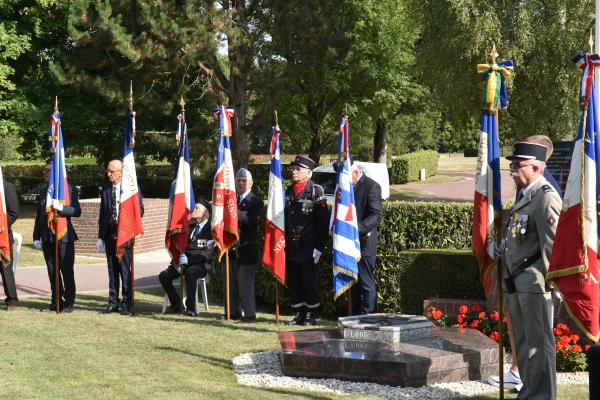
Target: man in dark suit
{"type": "Point", "coordinates": [244, 258]}
{"type": "Point", "coordinates": [367, 198]}
{"type": "Point", "coordinates": [195, 262]}
{"type": "Point", "coordinates": [44, 239]}
{"type": "Point", "coordinates": [107, 241]}
{"type": "Point", "coordinates": [6, 271]}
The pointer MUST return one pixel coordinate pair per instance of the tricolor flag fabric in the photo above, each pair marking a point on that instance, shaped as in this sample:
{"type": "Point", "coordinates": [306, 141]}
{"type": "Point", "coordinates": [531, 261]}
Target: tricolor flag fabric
{"type": "Point", "coordinates": [58, 186]}
{"type": "Point", "coordinates": [487, 203]}
{"type": "Point", "coordinates": [4, 239]}
{"type": "Point", "coordinates": [574, 267]}
{"type": "Point", "coordinates": [224, 208]}
{"type": "Point", "coordinates": [130, 213]}
{"type": "Point", "coordinates": [181, 199]}
{"type": "Point", "coordinates": [343, 225]}
{"type": "Point", "coordinates": [274, 251]}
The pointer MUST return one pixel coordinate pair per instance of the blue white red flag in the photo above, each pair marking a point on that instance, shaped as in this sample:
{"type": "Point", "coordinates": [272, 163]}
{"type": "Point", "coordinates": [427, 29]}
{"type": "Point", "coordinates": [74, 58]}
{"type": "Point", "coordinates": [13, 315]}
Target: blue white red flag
{"type": "Point", "coordinates": [181, 199]}
{"type": "Point", "coordinates": [344, 226]}
{"type": "Point", "coordinates": [274, 250]}
{"type": "Point", "coordinates": [130, 212]}
{"type": "Point", "coordinates": [574, 268]}
{"type": "Point", "coordinates": [58, 186]}
{"type": "Point", "coordinates": [224, 216]}
{"type": "Point", "coordinates": [487, 203]}
{"type": "Point", "coordinates": [4, 239]}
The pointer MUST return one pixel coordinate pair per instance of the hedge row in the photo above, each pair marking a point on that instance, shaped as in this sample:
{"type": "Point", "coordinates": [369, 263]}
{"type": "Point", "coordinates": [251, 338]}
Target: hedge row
{"type": "Point", "coordinates": [405, 275]}
{"type": "Point", "coordinates": [405, 168]}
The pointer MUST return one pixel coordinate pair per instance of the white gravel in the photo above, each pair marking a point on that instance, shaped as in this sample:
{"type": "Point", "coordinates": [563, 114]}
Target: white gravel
{"type": "Point", "coordinates": [265, 370]}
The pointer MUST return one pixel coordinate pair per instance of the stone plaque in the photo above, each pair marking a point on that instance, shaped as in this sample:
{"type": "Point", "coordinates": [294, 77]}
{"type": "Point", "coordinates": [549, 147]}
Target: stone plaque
{"type": "Point", "coordinates": [388, 328]}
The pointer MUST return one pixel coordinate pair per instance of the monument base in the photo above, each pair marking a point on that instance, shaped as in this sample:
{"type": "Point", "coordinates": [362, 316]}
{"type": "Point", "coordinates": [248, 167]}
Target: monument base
{"type": "Point", "coordinates": [449, 355]}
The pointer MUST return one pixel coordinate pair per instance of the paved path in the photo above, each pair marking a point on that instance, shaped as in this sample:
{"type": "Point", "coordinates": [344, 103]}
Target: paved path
{"type": "Point", "coordinates": [33, 281]}
{"type": "Point", "coordinates": [459, 191]}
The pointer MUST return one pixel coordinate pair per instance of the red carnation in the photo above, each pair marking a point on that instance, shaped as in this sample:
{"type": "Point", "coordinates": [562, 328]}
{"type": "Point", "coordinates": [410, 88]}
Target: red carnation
{"type": "Point", "coordinates": [463, 309]}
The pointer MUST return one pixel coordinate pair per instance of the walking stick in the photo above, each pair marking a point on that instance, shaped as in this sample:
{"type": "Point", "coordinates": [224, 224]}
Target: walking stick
{"type": "Point", "coordinates": [227, 284]}
{"type": "Point", "coordinates": [132, 278]}
{"type": "Point", "coordinates": [350, 301]}
{"type": "Point", "coordinates": [276, 301]}
{"type": "Point", "coordinates": [56, 265]}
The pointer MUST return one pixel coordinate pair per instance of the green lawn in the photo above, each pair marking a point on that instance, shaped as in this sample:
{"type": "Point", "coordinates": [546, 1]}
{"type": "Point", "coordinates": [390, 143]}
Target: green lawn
{"type": "Point", "coordinates": [463, 164]}
{"type": "Point", "coordinates": [88, 355]}
{"type": "Point", "coordinates": [30, 256]}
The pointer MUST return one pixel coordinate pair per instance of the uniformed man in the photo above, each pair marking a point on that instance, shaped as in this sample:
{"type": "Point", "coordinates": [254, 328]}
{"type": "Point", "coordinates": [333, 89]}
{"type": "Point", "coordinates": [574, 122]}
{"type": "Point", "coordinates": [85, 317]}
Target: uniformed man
{"type": "Point", "coordinates": [529, 237]}
{"type": "Point", "coordinates": [306, 233]}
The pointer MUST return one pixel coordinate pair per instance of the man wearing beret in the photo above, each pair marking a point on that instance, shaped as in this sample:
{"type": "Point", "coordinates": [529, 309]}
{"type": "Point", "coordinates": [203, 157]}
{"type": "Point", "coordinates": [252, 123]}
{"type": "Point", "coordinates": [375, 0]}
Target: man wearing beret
{"type": "Point", "coordinates": [306, 233]}
{"type": "Point", "coordinates": [195, 262]}
{"type": "Point", "coordinates": [244, 258]}
{"type": "Point", "coordinates": [529, 237]}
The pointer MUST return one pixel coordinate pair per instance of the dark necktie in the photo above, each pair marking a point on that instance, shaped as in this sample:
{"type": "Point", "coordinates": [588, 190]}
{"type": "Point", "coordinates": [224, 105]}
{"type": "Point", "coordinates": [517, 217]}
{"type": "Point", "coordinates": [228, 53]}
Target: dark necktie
{"type": "Point", "coordinates": [194, 231]}
{"type": "Point", "coordinates": [113, 203]}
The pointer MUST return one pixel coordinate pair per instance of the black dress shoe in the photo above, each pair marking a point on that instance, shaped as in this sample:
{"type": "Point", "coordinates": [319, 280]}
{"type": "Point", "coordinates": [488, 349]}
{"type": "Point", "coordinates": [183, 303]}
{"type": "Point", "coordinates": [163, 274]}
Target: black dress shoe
{"type": "Point", "coordinates": [191, 313]}
{"type": "Point", "coordinates": [67, 309]}
{"type": "Point", "coordinates": [50, 308]}
{"type": "Point", "coordinates": [173, 310]}
{"type": "Point", "coordinates": [125, 310]}
{"type": "Point", "coordinates": [110, 309]}
{"type": "Point", "coordinates": [249, 319]}
{"type": "Point", "coordinates": [310, 319]}
{"type": "Point", "coordinates": [299, 319]}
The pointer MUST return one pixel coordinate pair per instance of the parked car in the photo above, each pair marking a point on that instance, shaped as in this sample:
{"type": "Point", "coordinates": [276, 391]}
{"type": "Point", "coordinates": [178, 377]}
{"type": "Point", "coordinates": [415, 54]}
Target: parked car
{"type": "Point", "coordinates": [326, 176]}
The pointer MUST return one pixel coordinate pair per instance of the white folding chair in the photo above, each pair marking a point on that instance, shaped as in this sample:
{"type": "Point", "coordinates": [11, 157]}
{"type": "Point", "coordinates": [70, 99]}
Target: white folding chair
{"type": "Point", "coordinates": [199, 282]}
{"type": "Point", "coordinates": [18, 238]}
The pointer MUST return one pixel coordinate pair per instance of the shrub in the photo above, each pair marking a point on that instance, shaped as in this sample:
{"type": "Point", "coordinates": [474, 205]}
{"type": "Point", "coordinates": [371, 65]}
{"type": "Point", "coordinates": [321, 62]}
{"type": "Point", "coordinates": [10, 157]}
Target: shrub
{"type": "Point", "coordinates": [405, 168]}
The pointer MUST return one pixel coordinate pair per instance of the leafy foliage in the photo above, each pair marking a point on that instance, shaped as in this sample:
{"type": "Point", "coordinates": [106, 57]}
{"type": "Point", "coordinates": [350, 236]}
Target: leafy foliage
{"type": "Point", "coordinates": [406, 168]}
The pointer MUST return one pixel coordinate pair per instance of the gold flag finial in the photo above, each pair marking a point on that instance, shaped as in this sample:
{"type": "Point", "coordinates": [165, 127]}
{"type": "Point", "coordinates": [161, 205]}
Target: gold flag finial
{"type": "Point", "coordinates": [494, 54]}
{"type": "Point", "coordinates": [276, 119]}
{"type": "Point", "coordinates": [55, 103]}
{"type": "Point", "coordinates": [591, 41]}
{"type": "Point", "coordinates": [131, 95]}
{"type": "Point", "coordinates": [182, 104]}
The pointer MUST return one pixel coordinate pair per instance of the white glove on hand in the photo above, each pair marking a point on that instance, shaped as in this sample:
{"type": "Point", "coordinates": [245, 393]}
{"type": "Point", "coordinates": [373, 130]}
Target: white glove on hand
{"type": "Point", "coordinates": [100, 245]}
{"type": "Point", "coordinates": [37, 244]}
{"type": "Point", "coordinates": [56, 205]}
{"type": "Point", "coordinates": [211, 244]}
{"type": "Point", "coordinates": [316, 255]}
{"type": "Point", "coordinates": [183, 259]}
{"type": "Point", "coordinates": [499, 249]}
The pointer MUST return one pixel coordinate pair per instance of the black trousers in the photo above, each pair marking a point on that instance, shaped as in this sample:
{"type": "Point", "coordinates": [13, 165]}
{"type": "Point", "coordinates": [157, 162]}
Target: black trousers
{"type": "Point", "coordinates": [191, 274]}
{"type": "Point", "coordinates": [241, 288]}
{"type": "Point", "coordinates": [364, 292]}
{"type": "Point", "coordinates": [302, 278]}
{"type": "Point", "coordinates": [66, 281]}
{"type": "Point", "coordinates": [593, 357]}
{"type": "Point", "coordinates": [8, 281]}
{"type": "Point", "coordinates": [118, 272]}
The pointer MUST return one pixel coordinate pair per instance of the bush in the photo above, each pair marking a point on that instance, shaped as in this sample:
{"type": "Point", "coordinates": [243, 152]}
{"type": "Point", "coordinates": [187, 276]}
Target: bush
{"type": "Point", "coordinates": [405, 168]}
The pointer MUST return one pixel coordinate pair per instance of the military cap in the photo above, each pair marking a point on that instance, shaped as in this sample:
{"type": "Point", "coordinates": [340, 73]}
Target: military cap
{"type": "Point", "coordinates": [529, 151]}
{"type": "Point", "coordinates": [304, 162]}
{"type": "Point", "coordinates": [243, 173]}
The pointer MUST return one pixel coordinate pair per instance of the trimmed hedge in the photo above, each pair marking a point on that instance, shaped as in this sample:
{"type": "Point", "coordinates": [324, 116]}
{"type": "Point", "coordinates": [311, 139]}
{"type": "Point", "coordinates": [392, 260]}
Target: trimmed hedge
{"type": "Point", "coordinates": [405, 168]}
{"type": "Point", "coordinates": [406, 274]}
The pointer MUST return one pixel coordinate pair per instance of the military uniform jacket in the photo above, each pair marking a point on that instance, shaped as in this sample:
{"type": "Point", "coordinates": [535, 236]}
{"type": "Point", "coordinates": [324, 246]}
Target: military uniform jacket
{"type": "Point", "coordinates": [307, 219]}
{"type": "Point", "coordinates": [367, 199]}
{"type": "Point", "coordinates": [250, 214]}
{"type": "Point", "coordinates": [197, 251]}
{"type": "Point", "coordinates": [41, 231]}
{"type": "Point", "coordinates": [530, 229]}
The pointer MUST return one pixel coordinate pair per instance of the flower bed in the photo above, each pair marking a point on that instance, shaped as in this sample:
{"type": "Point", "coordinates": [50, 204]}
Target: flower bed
{"type": "Point", "coordinates": [570, 356]}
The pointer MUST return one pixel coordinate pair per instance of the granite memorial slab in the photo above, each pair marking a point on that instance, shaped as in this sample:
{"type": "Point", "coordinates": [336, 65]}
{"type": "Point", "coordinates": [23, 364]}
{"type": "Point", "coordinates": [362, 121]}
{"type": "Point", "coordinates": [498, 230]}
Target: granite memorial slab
{"type": "Point", "coordinates": [448, 355]}
{"type": "Point", "coordinates": [389, 328]}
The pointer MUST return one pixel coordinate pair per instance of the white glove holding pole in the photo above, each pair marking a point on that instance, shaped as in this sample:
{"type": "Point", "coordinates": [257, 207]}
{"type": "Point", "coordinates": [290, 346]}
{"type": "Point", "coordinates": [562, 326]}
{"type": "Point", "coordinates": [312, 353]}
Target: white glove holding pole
{"type": "Point", "coordinates": [211, 244]}
{"type": "Point", "coordinates": [499, 249]}
{"type": "Point", "coordinates": [183, 260]}
{"type": "Point", "coordinates": [100, 245]}
{"type": "Point", "coordinates": [56, 205]}
{"type": "Point", "coordinates": [316, 256]}
{"type": "Point", "coordinates": [37, 244]}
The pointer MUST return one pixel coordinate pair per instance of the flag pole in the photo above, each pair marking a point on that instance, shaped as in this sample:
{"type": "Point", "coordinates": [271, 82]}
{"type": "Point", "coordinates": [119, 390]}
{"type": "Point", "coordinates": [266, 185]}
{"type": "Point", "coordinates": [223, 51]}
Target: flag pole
{"type": "Point", "coordinates": [132, 275]}
{"type": "Point", "coordinates": [56, 245]}
{"type": "Point", "coordinates": [227, 284]}
{"type": "Point", "coordinates": [276, 283]}
{"type": "Point", "coordinates": [181, 274]}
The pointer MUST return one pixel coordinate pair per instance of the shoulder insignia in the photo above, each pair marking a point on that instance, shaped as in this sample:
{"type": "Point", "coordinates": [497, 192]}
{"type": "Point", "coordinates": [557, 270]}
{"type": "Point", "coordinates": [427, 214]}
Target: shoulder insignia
{"type": "Point", "coordinates": [547, 188]}
{"type": "Point", "coordinates": [551, 220]}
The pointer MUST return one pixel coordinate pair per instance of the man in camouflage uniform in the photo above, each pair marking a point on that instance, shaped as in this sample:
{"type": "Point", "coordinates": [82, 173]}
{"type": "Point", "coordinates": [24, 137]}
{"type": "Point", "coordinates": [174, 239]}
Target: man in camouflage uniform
{"type": "Point", "coordinates": [306, 233]}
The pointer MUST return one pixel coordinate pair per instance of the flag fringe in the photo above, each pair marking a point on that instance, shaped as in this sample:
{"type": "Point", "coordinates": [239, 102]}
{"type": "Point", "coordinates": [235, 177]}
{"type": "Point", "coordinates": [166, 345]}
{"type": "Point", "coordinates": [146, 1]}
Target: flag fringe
{"type": "Point", "coordinates": [576, 320]}
{"type": "Point", "coordinates": [566, 272]}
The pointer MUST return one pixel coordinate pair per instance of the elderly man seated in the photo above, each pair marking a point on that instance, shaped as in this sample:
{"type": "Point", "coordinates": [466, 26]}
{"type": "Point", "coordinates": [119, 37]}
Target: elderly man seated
{"type": "Point", "coordinates": [195, 262]}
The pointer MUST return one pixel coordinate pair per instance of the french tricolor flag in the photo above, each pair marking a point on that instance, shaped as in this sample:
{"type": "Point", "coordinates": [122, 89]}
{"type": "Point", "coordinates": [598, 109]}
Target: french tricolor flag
{"type": "Point", "coordinates": [130, 212]}
{"type": "Point", "coordinates": [574, 268]}
{"type": "Point", "coordinates": [181, 199]}
{"type": "Point", "coordinates": [274, 251]}
{"type": "Point", "coordinates": [58, 186]}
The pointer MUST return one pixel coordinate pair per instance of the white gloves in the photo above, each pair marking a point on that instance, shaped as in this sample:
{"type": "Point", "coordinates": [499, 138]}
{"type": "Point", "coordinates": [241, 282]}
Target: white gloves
{"type": "Point", "coordinates": [499, 249]}
{"type": "Point", "coordinates": [183, 259]}
{"type": "Point", "coordinates": [37, 244]}
{"type": "Point", "coordinates": [316, 255]}
{"type": "Point", "coordinates": [56, 205]}
{"type": "Point", "coordinates": [100, 245]}
{"type": "Point", "coordinates": [211, 244]}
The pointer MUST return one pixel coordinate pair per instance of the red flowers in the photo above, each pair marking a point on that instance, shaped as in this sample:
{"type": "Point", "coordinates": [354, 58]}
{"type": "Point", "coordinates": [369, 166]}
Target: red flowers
{"type": "Point", "coordinates": [494, 336]}
{"type": "Point", "coordinates": [495, 315]}
{"type": "Point", "coordinates": [463, 309]}
{"type": "Point", "coordinates": [569, 354]}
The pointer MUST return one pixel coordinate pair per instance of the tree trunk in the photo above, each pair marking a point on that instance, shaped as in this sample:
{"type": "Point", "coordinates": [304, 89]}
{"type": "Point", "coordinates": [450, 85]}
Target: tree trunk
{"type": "Point", "coordinates": [316, 147]}
{"type": "Point", "coordinates": [380, 141]}
{"type": "Point", "coordinates": [240, 148]}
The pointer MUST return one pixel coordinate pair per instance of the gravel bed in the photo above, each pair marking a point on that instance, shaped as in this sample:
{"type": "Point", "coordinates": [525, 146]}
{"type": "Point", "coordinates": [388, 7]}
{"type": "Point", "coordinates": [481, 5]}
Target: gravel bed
{"type": "Point", "coordinates": [265, 370]}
